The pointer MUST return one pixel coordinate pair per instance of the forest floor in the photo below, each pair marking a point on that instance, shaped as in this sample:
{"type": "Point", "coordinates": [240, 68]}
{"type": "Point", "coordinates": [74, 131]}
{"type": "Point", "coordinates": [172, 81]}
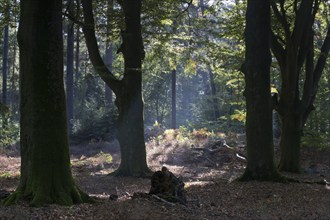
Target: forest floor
{"type": "Point", "coordinates": [209, 167]}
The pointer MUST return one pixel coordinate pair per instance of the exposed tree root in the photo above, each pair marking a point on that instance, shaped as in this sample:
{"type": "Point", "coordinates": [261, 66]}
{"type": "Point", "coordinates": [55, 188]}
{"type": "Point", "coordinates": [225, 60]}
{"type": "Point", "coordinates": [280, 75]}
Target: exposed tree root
{"type": "Point", "coordinates": [272, 177]}
{"type": "Point", "coordinates": [284, 168]}
{"type": "Point", "coordinates": [39, 198]}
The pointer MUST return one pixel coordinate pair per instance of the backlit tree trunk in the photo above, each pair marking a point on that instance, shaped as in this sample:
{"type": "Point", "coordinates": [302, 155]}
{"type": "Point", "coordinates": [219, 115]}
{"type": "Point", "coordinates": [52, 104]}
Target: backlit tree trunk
{"type": "Point", "coordinates": [45, 164]}
{"type": "Point", "coordinates": [129, 102]}
{"type": "Point", "coordinates": [5, 74]}
{"type": "Point", "coordinates": [294, 106]}
{"type": "Point", "coordinates": [173, 109]}
{"type": "Point", "coordinates": [108, 92]}
{"type": "Point", "coordinates": [128, 90]}
{"type": "Point", "coordinates": [5, 64]}
{"type": "Point", "coordinates": [257, 92]}
{"type": "Point", "coordinates": [108, 53]}
{"type": "Point", "coordinates": [216, 111]}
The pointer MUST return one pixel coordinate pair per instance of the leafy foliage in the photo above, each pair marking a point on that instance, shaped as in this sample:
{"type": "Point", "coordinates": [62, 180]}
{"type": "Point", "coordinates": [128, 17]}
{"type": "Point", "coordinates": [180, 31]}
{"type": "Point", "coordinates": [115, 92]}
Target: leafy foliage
{"type": "Point", "coordinates": [195, 39]}
{"type": "Point", "coordinates": [9, 134]}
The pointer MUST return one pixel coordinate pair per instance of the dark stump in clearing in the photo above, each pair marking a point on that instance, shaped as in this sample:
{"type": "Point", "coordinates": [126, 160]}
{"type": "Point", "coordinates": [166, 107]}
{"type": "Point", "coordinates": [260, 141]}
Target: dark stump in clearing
{"type": "Point", "coordinates": [167, 186]}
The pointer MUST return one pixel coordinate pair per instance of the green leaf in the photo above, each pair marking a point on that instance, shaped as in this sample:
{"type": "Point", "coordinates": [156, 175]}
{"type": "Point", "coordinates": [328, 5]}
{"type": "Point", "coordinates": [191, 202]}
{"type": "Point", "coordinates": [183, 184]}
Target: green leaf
{"type": "Point", "coordinates": [166, 22]}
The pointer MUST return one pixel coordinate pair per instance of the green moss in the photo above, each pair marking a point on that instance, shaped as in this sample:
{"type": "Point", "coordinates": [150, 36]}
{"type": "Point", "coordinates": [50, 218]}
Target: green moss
{"type": "Point", "coordinates": [39, 198]}
{"type": "Point", "coordinates": [13, 198]}
{"type": "Point", "coordinates": [5, 175]}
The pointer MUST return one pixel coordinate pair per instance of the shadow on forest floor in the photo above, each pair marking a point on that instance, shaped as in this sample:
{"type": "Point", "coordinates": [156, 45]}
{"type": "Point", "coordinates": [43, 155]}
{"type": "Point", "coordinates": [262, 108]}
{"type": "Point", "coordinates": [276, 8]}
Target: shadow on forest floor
{"type": "Point", "coordinates": [208, 167]}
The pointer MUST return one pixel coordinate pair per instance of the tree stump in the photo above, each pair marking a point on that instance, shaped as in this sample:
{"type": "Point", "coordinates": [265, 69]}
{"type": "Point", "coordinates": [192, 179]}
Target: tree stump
{"type": "Point", "coordinates": [167, 186]}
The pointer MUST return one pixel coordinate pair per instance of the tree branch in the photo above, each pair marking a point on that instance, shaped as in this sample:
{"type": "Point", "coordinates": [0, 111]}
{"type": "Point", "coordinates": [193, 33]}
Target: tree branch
{"type": "Point", "coordinates": [309, 66]}
{"type": "Point", "coordinates": [69, 13]}
{"type": "Point", "coordinates": [73, 19]}
{"type": "Point", "coordinates": [303, 17]}
{"type": "Point", "coordinates": [277, 49]}
{"type": "Point", "coordinates": [321, 60]}
{"type": "Point", "coordinates": [93, 50]}
{"type": "Point", "coordinates": [281, 17]}
{"type": "Point", "coordinates": [186, 9]}
{"type": "Point", "coordinates": [305, 42]}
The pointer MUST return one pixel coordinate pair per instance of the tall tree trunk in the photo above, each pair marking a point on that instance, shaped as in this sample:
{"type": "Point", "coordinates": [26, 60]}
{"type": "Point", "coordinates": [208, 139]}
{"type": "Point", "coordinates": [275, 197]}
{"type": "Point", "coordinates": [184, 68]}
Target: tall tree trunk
{"type": "Point", "coordinates": [216, 111]}
{"type": "Point", "coordinates": [129, 101]}
{"type": "Point", "coordinates": [45, 164]}
{"type": "Point", "coordinates": [256, 68]}
{"type": "Point", "coordinates": [13, 80]}
{"type": "Point", "coordinates": [173, 83]}
{"type": "Point", "coordinates": [293, 110]}
{"type": "Point", "coordinates": [128, 90]}
{"type": "Point", "coordinates": [108, 53]}
{"type": "Point", "coordinates": [77, 61]}
{"type": "Point", "coordinates": [5, 65]}
{"type": "Point", "coordinates": [5, 74]}
{"type": "Point", "coordinates": [295, 106]}
{"type": "Point", "coordinates": [290, 142]}
{"type": "Point", "coordinates": [131, 128]}
{"type": "Point", "coordinates": [70, 70]}
{"type": "Point", "coordinates": [290, 115]}
{"type": "Point", "coordinates": [108, 91]}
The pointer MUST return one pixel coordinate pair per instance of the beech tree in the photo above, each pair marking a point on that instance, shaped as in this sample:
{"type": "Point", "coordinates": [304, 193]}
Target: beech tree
{"type": "Point", "coordinates": [298, 62]}
{"type": "Point", "coordinates": [256, 68]}
{"type": "Point", "coordinates": [128, 90]}
{"type": "Point", "coordinates": [70, 68]}
{"type": "Point", "coordinates": [108, 52]}
{"type": "Point", "coordinates": [45, 164]}
{"type": "Point", "coordinates": [5, 68]}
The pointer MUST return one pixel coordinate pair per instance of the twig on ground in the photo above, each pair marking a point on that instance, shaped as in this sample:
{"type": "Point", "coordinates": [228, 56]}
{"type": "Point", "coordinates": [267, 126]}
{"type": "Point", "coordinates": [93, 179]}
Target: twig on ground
{"type": "Point", "coordinates": [162, 200]}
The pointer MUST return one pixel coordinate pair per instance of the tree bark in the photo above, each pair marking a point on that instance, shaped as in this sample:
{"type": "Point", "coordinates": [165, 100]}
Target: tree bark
{"type": "Point", "coordinates": [256, 68]}
{"type": "Point", "coordinates": [129, 102]}
{"type": "Point", "coordinates": [45, 164]}
{"type": "Point", "coordinates": [128, 91]}
{"type": "Point", "coordinates": [5, 65]}
{"type": "Point", "coordinates": [70, 69]}
{"type": "Point", "coordinates": [173, 83]}
{"type": "Point", "coordinates": [294, 106]}
{"type": "Point", "coordinates": [77, 62]}
{"type": "Point", "coordinates": [216, 111]}
{"type": "Point", "coordinates": [108, 92]}
{"type": "Point", "coordinates": [5, 74]}
{"type": "Point", "coordinates": [108, 53]}
{"type": "Point", "coordinates": [290, 142]}
{"type": "Point", "coordinates": [14, 99]}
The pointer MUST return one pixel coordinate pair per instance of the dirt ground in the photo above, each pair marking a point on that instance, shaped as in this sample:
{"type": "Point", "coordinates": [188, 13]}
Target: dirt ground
{"type": "Point", "coordinates": [209, 169]}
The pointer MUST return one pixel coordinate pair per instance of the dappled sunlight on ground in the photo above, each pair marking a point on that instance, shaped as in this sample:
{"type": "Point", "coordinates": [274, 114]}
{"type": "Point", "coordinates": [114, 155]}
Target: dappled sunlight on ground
{"type": "Point", "coordinates": [208, 168]}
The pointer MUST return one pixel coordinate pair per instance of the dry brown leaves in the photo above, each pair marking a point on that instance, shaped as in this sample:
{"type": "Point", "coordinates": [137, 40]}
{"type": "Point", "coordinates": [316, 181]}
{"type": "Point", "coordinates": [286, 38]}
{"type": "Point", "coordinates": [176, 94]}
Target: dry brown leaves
{"type": "Point", "coordinates": [211, 192]}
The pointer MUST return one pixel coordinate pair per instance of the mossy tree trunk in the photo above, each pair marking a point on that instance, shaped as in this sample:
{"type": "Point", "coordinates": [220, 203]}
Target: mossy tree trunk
{"type": "Point", "coordinates": [256, 68]}
{"type": "Point", "coordinates": [128, 90]}
{"type": "Point", "coordinates": [45, 164]}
